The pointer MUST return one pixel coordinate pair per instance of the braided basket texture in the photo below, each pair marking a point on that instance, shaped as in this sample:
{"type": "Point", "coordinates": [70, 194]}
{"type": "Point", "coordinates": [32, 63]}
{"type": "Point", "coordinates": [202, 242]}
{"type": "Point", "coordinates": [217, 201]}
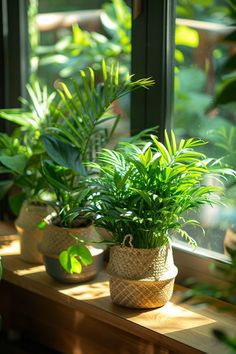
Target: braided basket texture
{"type": "Point", "coordinates": [56, 239]}
{"type": "Point", "coordinates": [136, 263]}
{"type": "Point", "coordinates": [142, 293]}
{"type": "Point", "coordinates": [30, 235]}
{"type": "Point", "coordinates": [141, 278]}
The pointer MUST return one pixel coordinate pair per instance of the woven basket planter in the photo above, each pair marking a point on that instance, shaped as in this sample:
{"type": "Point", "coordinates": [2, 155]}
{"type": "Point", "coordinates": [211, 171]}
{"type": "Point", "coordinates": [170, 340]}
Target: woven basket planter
{"type": "Point", "coordinates": [141, 278]}
{"type": "Point", "coordinates": [56, 239]}
{"type": "Point", "coordinates": [30, 235]}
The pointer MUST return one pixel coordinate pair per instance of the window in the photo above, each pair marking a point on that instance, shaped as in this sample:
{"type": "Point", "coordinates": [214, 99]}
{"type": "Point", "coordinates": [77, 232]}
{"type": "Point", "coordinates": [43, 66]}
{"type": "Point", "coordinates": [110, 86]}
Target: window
{"type": "Point", "coordinates": [68, 36]}
{"type": "Point", "coordinates": [205, 47]}
{"type": "Point", "coordinates": [154, 56]}
{"type": "Point", "coordinates": [198, 42]}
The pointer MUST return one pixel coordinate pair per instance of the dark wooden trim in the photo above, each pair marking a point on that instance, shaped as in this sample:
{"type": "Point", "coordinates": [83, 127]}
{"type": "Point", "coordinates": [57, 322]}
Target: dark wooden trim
{"type": "Point", "coordinates": [14, 41]}
{"type": "Point", "coordinates": [153, 55]}
{"type": "Point", "coordinates": [2, 65]}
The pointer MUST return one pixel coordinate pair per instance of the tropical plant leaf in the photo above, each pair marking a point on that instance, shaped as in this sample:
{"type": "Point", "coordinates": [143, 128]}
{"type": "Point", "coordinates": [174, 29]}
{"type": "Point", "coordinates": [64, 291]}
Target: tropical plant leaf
{"type": "Point", "coordinates": [88, 104]}
{"type": "Point", "coordinates": [50, 172]}
{"type": "Point", "coordinates": [19, 116]}
{"type": "Point", "coordinates": [16, 163]}
{"type": "Point", "coordinates": [63, 154]}
{"type": "Point", "coordinates": [72, 258]}
{"type": "Point", "coordinates": [144, 189]}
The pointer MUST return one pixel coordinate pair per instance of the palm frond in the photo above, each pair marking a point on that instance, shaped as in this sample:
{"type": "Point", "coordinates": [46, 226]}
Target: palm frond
{"type": "Point", "coordinates": [37, 111]}
{"type": "Point", "coordinates": [84, 109]}
{"type": "Point", "coordinates": [144, 190]}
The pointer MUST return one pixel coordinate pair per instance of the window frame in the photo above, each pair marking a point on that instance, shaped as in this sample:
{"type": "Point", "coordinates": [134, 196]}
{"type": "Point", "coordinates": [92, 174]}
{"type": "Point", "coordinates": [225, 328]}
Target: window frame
{"type": "Point", "coordinates": [152, 55]}
{"type": "Point", "coordinates": [14, 51]}
{"type": "Point", "coordinates": [13, 58]}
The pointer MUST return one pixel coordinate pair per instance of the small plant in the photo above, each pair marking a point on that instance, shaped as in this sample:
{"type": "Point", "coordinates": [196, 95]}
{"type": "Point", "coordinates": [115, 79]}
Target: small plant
{"type": "Point", "coordinates": [22, 151]}
{"type": "Point", "coordinates": [82, 132]}
{"type": "Point", "coordinates": [147, 190]}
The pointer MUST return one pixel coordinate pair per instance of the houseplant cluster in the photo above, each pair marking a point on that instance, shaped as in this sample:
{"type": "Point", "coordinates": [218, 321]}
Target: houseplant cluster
{"type": "Point", "coordinates": [138, 194]}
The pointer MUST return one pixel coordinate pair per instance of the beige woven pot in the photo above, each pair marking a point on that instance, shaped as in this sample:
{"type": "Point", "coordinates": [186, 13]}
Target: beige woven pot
{"type": "Point", "coordinates": [56, 239]}
{"type": "Point", "coordinates": [141, 278]}
{"type": "Point", "coordinates": [136, 263]}
{"type": "Point", "coordinates": [30, 236]}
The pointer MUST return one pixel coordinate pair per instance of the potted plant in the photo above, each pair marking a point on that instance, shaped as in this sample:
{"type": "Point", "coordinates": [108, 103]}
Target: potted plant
{"type": "Point", "coordinates": [25, 184]}
{"type": "Point", "coordinates": [142, 197]}
{"type": "Point", "coordinates": [20, 164]}
{"type": "Point", "coordinates": [70, 146]}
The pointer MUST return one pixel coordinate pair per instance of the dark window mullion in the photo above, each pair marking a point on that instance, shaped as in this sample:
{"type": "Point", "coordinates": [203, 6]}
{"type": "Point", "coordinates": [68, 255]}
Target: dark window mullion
{"type": "Point", "coordinates": [14, 65]}
{"type": "Point", "coordinates": [139, 66]}
{"type": "Point", "coordinates": [160, 61]}
{"type": "Point", "coordinates": [153, 55]}
{"type": "Point", "coordinates": [14, 42]}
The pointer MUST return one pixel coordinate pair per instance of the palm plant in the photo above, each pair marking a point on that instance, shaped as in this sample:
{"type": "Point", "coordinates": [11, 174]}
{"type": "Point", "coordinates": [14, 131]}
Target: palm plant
{"type": "Point", "coordinates": [82, 132]}
{"type": "Point", "coordinates": [146, 191]}
{"type": "Point", "coordinates": [84, 111]}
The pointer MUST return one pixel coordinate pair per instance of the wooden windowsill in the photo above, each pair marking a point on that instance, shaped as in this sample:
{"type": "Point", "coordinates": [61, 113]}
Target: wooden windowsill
{"type": "Point", "coordinates": [176, 327]}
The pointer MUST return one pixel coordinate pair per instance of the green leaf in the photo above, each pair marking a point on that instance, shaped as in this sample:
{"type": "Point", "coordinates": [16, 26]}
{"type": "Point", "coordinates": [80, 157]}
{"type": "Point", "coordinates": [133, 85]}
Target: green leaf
{"type": "Point", "coordinates": [72, 258]}
{"type": "Point", "coordinates": [148, 156]}
{"type": "Point", "coordinates": [76, 266]}
{"type": "Point", "coordinates": [87, 107]}
{"type": "Point", "coordinates": [49, 171]}
{"type": "Point", "coordinates": [144, 195]}
{"type": "Point", "coordinates": [16, 163]}
{"type": "Point", "coordinates": [164, 152]}
{"type": "Point", "coordinates": [120, 180]}
{"type": "Point", "coordinates": [168, 143]}
{"type": "Point", "coordinates": [173, 140]}
{"type": "Point", "coordinates": [41, 225]}
{"type": "Point", "coordinates": [19, 117]}
{"type": "Point", "coordinates": [63, 154]}
{"type": "Point", "coordinates": [83, 253]}
{"type": "Point", "coordinates": [65, 261]}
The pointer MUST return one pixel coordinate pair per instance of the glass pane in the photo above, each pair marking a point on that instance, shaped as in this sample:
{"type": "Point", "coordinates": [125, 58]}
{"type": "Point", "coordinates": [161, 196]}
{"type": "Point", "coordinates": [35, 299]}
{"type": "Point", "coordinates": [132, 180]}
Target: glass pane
{"type": "Point", "coordinates": [69, 35]}
{"type": "Point", "coordinates": [205, 99]}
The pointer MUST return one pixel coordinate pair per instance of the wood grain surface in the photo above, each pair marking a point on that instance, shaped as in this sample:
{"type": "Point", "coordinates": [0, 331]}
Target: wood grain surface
{"type": "Point", "coordinates": [81, 319]}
